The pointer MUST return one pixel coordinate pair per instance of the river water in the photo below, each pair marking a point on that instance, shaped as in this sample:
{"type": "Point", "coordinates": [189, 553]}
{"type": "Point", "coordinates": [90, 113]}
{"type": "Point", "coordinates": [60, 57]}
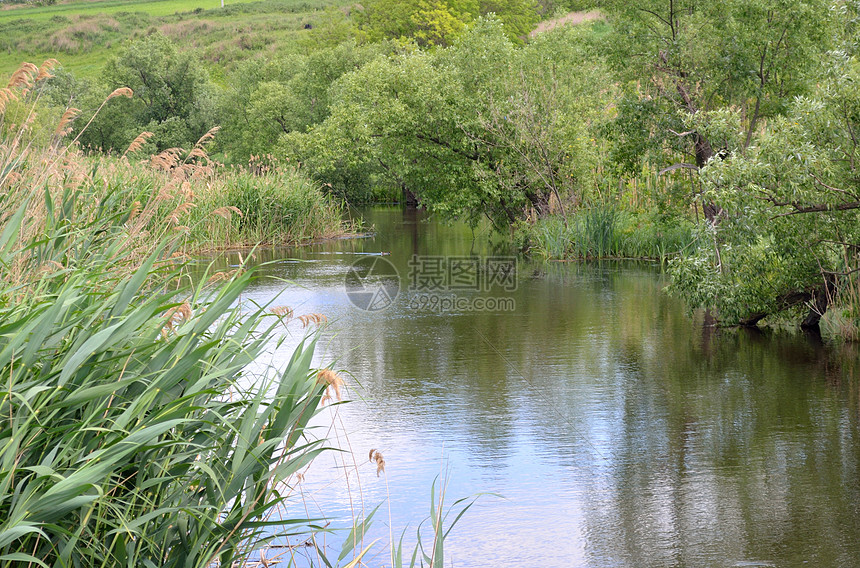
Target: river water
{"type": "Point", "coordinates": [605, 426]}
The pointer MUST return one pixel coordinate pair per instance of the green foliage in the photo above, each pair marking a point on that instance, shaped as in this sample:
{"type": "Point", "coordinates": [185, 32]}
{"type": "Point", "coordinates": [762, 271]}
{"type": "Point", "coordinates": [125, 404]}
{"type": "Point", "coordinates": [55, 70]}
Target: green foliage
{"type": "Point", "coordinates": [690, 57]}
{"type": "Point", "coordinates": [281, 206]}
{"type": "Point", "coordinates": [608, 232]}
{"type": "Point", "coordinates": [268, 100]}
{"type": "Point", "coordinates": [482, 128]}
{"type": "Point", "coordinates": [791, 200]}
{"type": "Point", "coordinates": [172, 97]}
{"type": "Point", "coordinates": [440, 22]}
{"type": "Point", "coordinates": [518, 16]}
{"type": "Point", "coordinates": [332, 28]}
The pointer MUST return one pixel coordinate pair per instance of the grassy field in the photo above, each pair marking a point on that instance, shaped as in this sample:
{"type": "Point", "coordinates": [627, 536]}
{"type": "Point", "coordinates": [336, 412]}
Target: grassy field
{"type": "Point", "coordinates": [96, 7]}
{"type": "Point", "coordinates": [82, 34]}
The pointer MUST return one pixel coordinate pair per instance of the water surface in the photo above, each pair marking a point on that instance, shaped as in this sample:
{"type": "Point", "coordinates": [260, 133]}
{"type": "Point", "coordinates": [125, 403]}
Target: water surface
{"type": "Point", "coordinates": [618, 430]}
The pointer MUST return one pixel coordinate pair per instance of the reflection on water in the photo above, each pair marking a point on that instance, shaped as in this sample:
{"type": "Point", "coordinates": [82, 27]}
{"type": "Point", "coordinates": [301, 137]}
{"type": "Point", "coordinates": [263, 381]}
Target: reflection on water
{"type": "Point", "coordinates": [619, 431]}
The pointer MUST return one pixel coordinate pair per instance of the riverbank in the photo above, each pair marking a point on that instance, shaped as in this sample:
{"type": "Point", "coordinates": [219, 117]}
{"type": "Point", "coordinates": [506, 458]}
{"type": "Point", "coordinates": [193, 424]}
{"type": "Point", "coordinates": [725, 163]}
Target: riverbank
{"type": "Point", "coordinates": [196, 203]}
{"type": "Point", "coordinates": [601, 232]}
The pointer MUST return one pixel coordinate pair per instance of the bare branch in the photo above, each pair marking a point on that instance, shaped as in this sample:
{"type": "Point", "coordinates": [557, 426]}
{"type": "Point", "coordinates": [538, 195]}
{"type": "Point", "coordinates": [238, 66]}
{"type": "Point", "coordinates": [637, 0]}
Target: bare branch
{"type": "Point", "coordinates": [831, 188]}
{"type": "Point", "coordinates": [816, 208]}
{"type": "Point", "coordinates": [674, 167]}
{"type": "Point", "coordinates": [681, 134]}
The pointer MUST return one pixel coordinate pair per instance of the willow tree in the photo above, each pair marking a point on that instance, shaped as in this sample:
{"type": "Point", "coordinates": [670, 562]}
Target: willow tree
{"type": "Point", "coordinates": [789, 237]}
{"type": "Point", "coordinates": [685, 58]}
{"type": "Point", "coordinates": [480, 129]}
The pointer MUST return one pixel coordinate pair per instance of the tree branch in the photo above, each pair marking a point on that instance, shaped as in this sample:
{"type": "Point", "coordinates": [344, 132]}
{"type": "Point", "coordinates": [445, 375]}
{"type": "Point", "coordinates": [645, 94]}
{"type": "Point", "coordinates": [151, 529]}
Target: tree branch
{"type": "Point", "coordinates": [674, 167]}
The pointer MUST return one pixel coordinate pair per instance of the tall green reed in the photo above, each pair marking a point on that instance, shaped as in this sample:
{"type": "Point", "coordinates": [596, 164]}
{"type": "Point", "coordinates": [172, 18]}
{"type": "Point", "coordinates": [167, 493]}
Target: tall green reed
{"type": "Point", "coordinates": [606, 232]}
{"type": "Point", "coordinates": [131, 433]}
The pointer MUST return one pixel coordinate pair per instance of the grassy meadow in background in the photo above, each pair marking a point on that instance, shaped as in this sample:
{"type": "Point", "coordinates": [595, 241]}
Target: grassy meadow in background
{"type": "Point", "coordinates": [84, 34]}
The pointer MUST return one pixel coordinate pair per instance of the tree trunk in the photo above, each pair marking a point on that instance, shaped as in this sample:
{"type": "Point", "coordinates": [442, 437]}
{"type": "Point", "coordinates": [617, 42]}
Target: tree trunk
{"type": "Point", "coordinates": [752, 319]}
{"type": "Point", "coordinates": [705, 152]}
{"type": "Point", "coordinates": [820, 301]}
{"type": "Point", "coordinates": [409, 198]}
{"type": "Point", "coordinates": [818, 297]}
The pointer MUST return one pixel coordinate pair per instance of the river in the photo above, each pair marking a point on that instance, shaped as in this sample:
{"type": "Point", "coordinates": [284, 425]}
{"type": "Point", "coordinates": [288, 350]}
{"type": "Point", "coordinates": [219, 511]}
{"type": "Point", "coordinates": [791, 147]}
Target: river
{"type": "Point", "coordinates": [604, 425]}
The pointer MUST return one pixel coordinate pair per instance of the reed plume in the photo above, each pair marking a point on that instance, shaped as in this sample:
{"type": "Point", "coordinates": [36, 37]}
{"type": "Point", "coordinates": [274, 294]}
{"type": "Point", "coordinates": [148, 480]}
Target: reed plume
{"type": "Point", "coordinates": [176, 315]}
{"type": "Point", "coordinates": [227, 212]}
{"type": "Point", "coordinates": [46, 68]}
{"type": "Point", "coordinates": [282, 311]}
{"type": "Point", "coordinates": [308, 319]}
{"type": "Point", "coordinates": [64, 126]}
{"type": "Point", "coordinates": [333, 383]}
{"type": "Point", "coordinates": [120, 92]}
{"type": "Point", "coordinates": [24, 77]}
{"type": "Point", "coordinates": [138, 143]}
{"type": "Point", "coordinates": [376, 457]}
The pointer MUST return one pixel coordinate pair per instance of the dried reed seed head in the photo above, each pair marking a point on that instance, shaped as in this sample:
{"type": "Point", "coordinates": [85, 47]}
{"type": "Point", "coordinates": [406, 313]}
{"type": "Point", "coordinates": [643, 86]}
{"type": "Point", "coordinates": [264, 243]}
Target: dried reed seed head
{"type": "Point", "coordinates": [376, 457]}
{"type": "Point", "coordinates": [227, 212]}
{"type": "Point", "coordinates": [187, 191]}
{"type": "Point", "coordinates": [282, 311]}
{"type": "Point", "coordinates": [135, 210]}
{"type": "Point", "coordinates": [23, 76]}
{"type": "Point", "coordinates": [308, 319]}
{"type": "Point", "coordinates": [197, 153]}
{"type": "Point", "coordinates": [121, 92]}
{"type": "Point", "coordinates": [207, 137]}
{"type": "Point", "coordinates": [164, 193]}
{"type": "Point", "coordinates": [224, 275]}
{"type": "Point", "coordinates": [45, 69]}
{"type": "Point", "coordinates": [68, 116]}
{"type": "Point", "coordinates": [49, 267]}
{"type": "Point", "coordinates": [178, 314]}
{"type": "Point", "coordinates": [12, 178]}
{"type": "Point", "coordinates": [6, 95]}
{"type": "Point", "coordinates": [168, 160]}
{"type": "Point", "coordinates": [138, 142]}
{"type": "Point", "coordinates": [180, 211]}
{"type": "Point", "coordinates": [333, 383]}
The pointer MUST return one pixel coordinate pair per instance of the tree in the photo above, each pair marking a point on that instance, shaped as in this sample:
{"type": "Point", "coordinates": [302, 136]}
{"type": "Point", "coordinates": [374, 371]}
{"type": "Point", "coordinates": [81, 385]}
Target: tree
{"type": "Point", "coordinates": [427, 22]}
{"type": "Point", "coordinates": [690, 57]}
{"type": "Point", "coordinates": [480, 129]}
{"type": "Point", "coordinates": [267, 100]}
{"type": "Point", "coordinates": [790, 234]}
{"type": "Point", "coordinates": [172, 97]}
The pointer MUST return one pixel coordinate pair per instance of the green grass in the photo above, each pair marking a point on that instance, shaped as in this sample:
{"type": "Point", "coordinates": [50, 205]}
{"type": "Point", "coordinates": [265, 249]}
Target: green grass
{"type": "Point", "coordinates": [83, 35]}
{"type": "Point", "coordinates": [606, 232]}
{"type": "Point", "coordinates": [95, 7]}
